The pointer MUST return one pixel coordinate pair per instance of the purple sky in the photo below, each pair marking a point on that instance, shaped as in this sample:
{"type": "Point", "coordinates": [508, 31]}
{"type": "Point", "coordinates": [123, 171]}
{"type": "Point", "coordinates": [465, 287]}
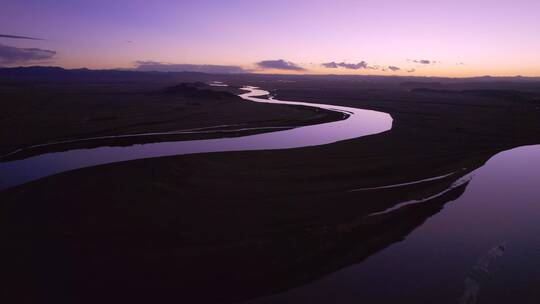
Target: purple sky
{"type": "Point", "coordinates": [458, 38]}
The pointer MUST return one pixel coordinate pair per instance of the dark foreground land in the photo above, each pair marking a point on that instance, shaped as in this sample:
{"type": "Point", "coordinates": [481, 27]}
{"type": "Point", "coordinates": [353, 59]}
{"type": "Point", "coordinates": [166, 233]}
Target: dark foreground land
{"type": "Point", "coordinates": [228, 227]}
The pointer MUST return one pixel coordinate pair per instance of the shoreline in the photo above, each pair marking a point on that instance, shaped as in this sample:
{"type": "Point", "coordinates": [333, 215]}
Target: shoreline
{"type": "Point", "coordinates": [113, 111]}
{"type": "Point", "coordinates": [317, 116]}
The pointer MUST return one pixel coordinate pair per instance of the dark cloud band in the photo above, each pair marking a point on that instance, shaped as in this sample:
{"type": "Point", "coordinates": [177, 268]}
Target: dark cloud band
{"type": "Point", "coordinates": [18, 37]}
{"type": "Point", "coordinates": [351, 66]}
{"type": "Point", "coordinates": [279, 64]}
{"type": "Point", "coordinates": [12, 55]}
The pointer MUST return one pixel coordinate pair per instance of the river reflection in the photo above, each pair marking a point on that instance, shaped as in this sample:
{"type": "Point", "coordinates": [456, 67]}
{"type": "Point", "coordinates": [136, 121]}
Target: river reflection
{"type": "Point", "coordinates": [358, 123]}
{"type": "Point", "coordinates": [483, 247]}
{"type": "Point", "coordinates": [466, 235]}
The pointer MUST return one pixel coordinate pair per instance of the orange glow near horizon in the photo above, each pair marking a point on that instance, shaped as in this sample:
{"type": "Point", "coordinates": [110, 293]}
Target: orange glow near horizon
{"type": "Point", "coordinates": [489, 37]}
{"type": "Point", "coordinates": [432, 71]}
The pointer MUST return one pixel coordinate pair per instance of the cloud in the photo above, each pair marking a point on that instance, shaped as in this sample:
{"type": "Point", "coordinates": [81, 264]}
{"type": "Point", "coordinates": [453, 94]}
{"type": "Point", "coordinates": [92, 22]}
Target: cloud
{"type": "Point", "coordinates": [156, 66]}
{"type": "Point", "coordinates": [411, 71]}
{"type": "Point", "coordinates": [425, 61]}
{"type": "Point", "coordinates": [393, 68]}
{"type": "Point", "coordinates": [350, 66]}
{"type": "Point", "coordinates": [18, 37]}
{"type": "Point", "coordinates": [330, 65]}
{"type": "Point", "coordinates": [354, 66]}
{"type": "Point", "coordinates": [11, 54]}
{"type": "Point", "coordinates": [279, 64]}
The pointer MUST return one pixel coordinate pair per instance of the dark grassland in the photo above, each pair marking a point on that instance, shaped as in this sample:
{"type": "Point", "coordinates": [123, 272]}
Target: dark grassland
{"type": "Point", "coordinates": [226, 227]}
{"type": "Point", "coordinates": [38, 113]}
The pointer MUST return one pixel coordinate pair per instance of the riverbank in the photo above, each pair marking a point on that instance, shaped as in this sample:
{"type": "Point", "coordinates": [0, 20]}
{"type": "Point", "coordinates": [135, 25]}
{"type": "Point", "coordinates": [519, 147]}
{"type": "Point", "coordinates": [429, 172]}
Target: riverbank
{"type": "Point", "coordinates": [248, 224]}
{"type": "Point", "coordinates": [36, 114]}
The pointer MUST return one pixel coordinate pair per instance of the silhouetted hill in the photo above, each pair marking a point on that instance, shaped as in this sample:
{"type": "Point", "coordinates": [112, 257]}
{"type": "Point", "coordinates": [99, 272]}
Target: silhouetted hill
{"type": "Point", "coordinates": [197, 90]}
{"type": "Point", "coordinates": [61, 75]}
{"type": "Point", "coordinates": [512, 95]}
{"type": "Point", "coordinates": [421, 84]}
{"type": "Point", "coordinates": [56, 74]}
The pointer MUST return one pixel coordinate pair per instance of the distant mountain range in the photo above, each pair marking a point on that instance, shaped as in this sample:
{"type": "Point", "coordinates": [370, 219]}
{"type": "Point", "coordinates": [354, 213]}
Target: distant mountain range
{"type": "Point", "coordinates": [57, 74]}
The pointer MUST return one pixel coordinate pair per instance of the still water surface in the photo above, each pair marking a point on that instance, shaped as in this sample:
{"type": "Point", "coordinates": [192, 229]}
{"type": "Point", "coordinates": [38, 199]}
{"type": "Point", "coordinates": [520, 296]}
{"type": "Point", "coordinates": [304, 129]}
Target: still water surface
{"type": "Point", "coordinates": [358, 123]}
{"type": "Point", "coordinates": [483, 247]}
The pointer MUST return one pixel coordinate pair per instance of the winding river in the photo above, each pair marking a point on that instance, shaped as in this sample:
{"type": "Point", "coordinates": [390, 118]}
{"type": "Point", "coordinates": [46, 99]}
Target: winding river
{"type": "Point", "coordinates": [482, 247]}
{"type": "Point", "coordinates": [358, 123]}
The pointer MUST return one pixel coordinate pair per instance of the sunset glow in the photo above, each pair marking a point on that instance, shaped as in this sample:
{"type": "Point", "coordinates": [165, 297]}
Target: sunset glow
{"type": "Point", "coordinates": [458, 38]}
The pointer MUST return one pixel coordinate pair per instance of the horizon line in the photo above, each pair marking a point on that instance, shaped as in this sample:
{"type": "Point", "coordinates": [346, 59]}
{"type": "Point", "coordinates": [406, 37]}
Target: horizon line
{"type": "Point", "coordinates": [268, 74]}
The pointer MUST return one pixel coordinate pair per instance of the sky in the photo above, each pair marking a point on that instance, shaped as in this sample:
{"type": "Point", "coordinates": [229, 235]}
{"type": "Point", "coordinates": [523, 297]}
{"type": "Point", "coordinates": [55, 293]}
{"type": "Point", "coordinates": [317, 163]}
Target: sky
{"type": "Point", "coordinates": [456, 38]}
